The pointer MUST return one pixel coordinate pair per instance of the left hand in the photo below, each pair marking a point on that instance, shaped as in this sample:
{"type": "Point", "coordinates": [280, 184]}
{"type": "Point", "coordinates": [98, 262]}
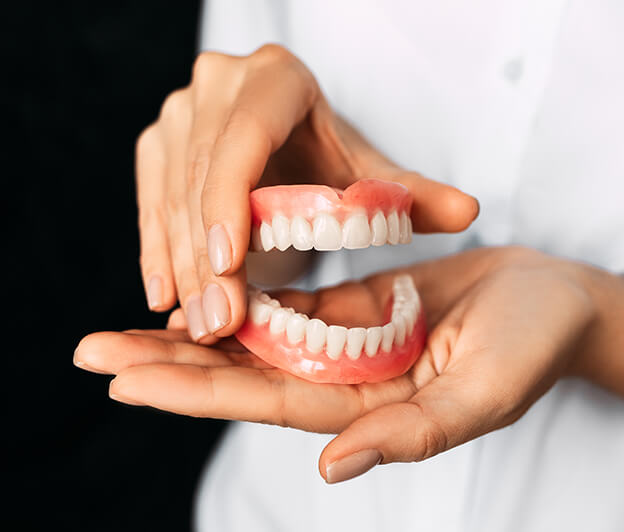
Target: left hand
{"type": "Point", "coordinates": [505, 324]}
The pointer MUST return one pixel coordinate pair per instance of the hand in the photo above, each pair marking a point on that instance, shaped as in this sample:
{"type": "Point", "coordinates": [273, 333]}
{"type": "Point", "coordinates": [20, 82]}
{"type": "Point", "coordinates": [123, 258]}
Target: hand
{"type": "Point", "coordinates": [241, 122]}
{"type": "Point", "coordinates": [505, 324]}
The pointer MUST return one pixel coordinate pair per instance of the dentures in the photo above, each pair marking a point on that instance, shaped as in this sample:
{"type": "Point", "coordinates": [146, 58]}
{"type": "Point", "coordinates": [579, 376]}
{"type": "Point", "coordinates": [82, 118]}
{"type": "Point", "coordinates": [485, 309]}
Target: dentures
{"type": "Point", "coordinates": [321, 352]}
{"type": "Point", "coordinates": [369, 212]}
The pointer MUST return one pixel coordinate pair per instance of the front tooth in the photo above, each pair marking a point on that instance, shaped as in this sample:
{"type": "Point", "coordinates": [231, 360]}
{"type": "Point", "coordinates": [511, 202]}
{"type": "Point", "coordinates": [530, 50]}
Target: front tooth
{"type": "Point", "coordinates": [279, 319]}
{"type": "Point", "coordinates": [336, 339]}
{"type": "Point", "coordinates": [259, 312]}
{"type": "Point", "coordinates": [379, 228]}
{"type": "Point", "coordinates": [301, 234]}
{"type": "Point", "coordinates": [373, 339]}
{"type": "Point", "coordinates": [356, 233]}
{"type": "Point", "coordinates": [393, 228]}
{"type": "Point", "coordinates": [405, 231]}
{"type": "Point", "coordinates": [266, 237]}
{"type": "Point", "coordinates": [295, 328]}
{"type": "Point", "coordinates": [256, 241]}
{"type": "Point", "coordinates": [400, 326]}
{"type": "Point", "coordinates": [316, 334]}
{"type": "Point", "coordinates": [388, 331]}
{"type": "Point", "coordinates": [327, 232]}
{"type": "Point", "coordinates": [281, 231]}
{"type": "Point", "coordinates": [355, 341]}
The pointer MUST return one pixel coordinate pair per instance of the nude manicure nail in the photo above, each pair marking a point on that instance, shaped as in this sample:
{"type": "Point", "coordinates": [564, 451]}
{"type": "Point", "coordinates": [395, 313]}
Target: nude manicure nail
{"type": "Point", "coordinates": [219, 249]}
{"type": "Point", "coordinates": [216, 307]}
{"type": "Point", "coordinates": [195, 318]}
{"type": "Point", "coordinates": [352, 466]}
{"type": "Point", "coordinates": [154, 291]}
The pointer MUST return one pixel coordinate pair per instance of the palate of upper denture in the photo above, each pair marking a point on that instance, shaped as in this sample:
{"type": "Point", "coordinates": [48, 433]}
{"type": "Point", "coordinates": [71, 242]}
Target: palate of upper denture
{"type": "Point", "coordinates": [369, 212]}
{"type": "Point", "coordinates": [321, 352]}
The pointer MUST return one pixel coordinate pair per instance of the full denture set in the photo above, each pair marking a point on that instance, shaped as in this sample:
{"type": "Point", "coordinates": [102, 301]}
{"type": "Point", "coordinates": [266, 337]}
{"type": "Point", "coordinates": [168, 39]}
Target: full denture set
{"type": "Point", "coordinates": [370, 212]}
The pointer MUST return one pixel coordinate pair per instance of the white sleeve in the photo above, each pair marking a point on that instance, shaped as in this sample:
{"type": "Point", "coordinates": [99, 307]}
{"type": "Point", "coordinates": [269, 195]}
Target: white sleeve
{"type": "Point", "coordinates": [239, 27]}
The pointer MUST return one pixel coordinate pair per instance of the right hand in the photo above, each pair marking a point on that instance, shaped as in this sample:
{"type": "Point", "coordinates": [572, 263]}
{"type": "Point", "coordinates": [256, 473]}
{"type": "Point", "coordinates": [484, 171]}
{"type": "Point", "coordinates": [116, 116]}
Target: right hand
{"type": "Point", "coordinates": [241, 122]}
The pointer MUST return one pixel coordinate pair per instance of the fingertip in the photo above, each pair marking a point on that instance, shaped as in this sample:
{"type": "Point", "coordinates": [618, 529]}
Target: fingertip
{"type": "Point", "coordinates": [460, 211]}
{"type": "Point", "coordinates": [159, 293]}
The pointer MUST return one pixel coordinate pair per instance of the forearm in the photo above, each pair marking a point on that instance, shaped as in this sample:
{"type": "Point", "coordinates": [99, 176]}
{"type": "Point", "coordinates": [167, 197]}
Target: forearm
{"type": "Point", "coordinates": [601, 355]}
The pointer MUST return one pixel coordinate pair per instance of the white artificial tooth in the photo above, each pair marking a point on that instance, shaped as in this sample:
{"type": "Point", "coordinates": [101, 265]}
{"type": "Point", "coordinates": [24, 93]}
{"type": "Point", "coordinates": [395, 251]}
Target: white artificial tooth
{"type": "Point", "coordinates": [373, 339]}
{"type": "Point", "coordinates": [405, 231]}
{"type": "Point", "coordinates": [301, 234]}
{"type": "Point", "coordinates": [356, 233]}
{"type": "Point", "coordinates": [327, 232]}
{"type": "Point", "coordinates": [404, 282]}
{"type": "Point", "coordinates": [281, 231]}
{"type": "Point", "coordinates": [266, 237]}
{"type": "Point", "coordinates": [336, 339]}
{"type": "Point", "coordinates": [356, 337]}
{"type": "Point", "coordinates": [264, 297]}
{"type": "Point", "coordinates": [259, 312]}
{"type": "Point", "coordinates": [316, 335]}
{"type": "Point", "coordinates": [279, 318]}
{"type": "Point", "coordinates": [410, 318]}
{"type": "Point", "coordinates": [388, 331]}
{"type": "Point", "coordinates": [256, 241]}
{"type": "Point", "coordinates": [400, 327]}
{"type": "Point", "coordinates": [393, 228]}
{"type": "Point", "coordinates": [295, 328]}
{"type": "Point", "coordinates": [379, 229]}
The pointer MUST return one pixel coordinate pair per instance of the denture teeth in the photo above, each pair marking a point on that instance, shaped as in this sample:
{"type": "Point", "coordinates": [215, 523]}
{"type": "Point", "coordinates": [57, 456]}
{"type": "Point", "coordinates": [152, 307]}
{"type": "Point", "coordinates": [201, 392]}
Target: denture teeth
{"type": "Point", "coordinates": [405, 229]}
{"type": "Point", "coordinates": [327, 233]}
{"type": "Point", "coordinates": [356, 232]}
{"type": "Point", "coordinates": [259, 312]}
{"type": "Point", "coordinates": [356, 337]}
{"type": "Point", "coordinates": [281, 232]}
{"type": "Point", "coordinates": [301, 234]}
{"type": "Point", "coordinates": [393, 228]}
{"type": "Point", "coordinates": [336, 339]}
{"type": "Point", "coordinates": [400, 326]}
{"type": "Point", "coordinates": [387, 339]}
{"type": "Point", "coordinates": [373, 339]}
{"type": "Point", "coordinates": [296, 327]}
{"type": "Point", "coordinates": [279, 319]}
{"type": "Point", "coordinates": [266, 237]}
{"type": "Point", "coordinates": [316, 335]}
{"type": "Point", "coordinates": [379, 229]}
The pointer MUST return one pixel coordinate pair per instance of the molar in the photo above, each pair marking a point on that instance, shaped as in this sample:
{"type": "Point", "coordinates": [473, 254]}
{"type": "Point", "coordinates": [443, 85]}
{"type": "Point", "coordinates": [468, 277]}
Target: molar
{"type": "Point", "coordinates": [327, 232]}
{"type": "Point", "coordinates": [393, 228]}
{"type": "Point", "coordinates": [266, 237]}
{"type": "Point", "coordinates": [281, 231]}
{"type": "Point", "coordinates": [356, 337]}
{"type": "Point", "coordinates": [296, 327]}
{"type": "Point", "coordinates": [316, 334]}
{"type": "Point", "coordinates": [356, 233]}
{"type": "Point", "coordinates": [301, 234]}
{"type": "Point", "coordinates": [388, 332]}
{"type": "Point", "coordinates": [379, 229]}
{"type": "Point", "coordinates": [405, 229]}
{"type": "Point", "coordinates": [373, 339]}
{"type": "Point", "coordinates": [336, 339]}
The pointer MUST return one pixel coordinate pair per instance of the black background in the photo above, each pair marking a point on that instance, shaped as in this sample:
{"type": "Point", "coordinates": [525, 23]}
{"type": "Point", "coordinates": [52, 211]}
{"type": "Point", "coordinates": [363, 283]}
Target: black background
{"type": "Point", "coordinates": [82, 80]}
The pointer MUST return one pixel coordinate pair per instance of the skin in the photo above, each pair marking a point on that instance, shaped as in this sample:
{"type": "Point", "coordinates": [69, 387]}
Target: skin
{"type": "Point", "coordinates": [505, 324]}
{"type": "Point", "coordinates": [191, 175]}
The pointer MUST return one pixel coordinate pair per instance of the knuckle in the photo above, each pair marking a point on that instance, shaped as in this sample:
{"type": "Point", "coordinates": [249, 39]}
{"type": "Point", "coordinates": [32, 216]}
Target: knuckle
{"type": "Point", "coordinates": [206, 63]}
{"type": "Point", "coordinates": [175, 104]}
{"type": "Point", "coordinates": [146, 140]}
{"type": "Point", "coordinates": [273, 53]}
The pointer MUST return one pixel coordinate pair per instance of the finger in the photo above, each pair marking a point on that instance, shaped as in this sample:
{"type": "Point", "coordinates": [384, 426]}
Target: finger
{"type": "Point", "coordinates": [248, 394]}
{"type": "Point", "coordinates": [438, 207]}
{"type": "Point", "coordinates": [155, 261]}
{"type": "Point", "coordinates": [177, 320]}
{"type": "Point", "coordinates": [112, 352]}
{"type": "Point", "coordinates": [263, 116]}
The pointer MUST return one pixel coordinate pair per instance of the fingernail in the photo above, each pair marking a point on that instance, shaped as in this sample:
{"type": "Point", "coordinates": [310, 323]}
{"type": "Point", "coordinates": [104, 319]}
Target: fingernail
{"type": "Point", "coordinates": [195, 318]}
{"type": "Point", "coordinates": [119, 398]}
{"type": "Point", "coordinates": [216, 307]}
{"type": "Point", "coordinates": [219, 249]}
{"type": "Point", "coordinates": [83, 365]}
{"type": "Point", "coordinates": [352, 466]}
{"type": "Point", "coordinates": [154, 291]}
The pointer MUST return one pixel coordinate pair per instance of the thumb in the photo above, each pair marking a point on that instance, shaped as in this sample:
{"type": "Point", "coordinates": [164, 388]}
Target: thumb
{"type": "Point", "coordinates": [440, 416]}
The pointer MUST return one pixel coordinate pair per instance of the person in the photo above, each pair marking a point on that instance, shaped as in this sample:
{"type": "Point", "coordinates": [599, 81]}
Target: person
{"type": "Point", "coordinates": [514, 414]}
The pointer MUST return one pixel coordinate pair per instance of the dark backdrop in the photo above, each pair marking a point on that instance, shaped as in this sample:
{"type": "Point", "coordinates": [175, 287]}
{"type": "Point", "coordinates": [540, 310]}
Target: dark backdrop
{"type": "Point", "coordinates": [81, 81]}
